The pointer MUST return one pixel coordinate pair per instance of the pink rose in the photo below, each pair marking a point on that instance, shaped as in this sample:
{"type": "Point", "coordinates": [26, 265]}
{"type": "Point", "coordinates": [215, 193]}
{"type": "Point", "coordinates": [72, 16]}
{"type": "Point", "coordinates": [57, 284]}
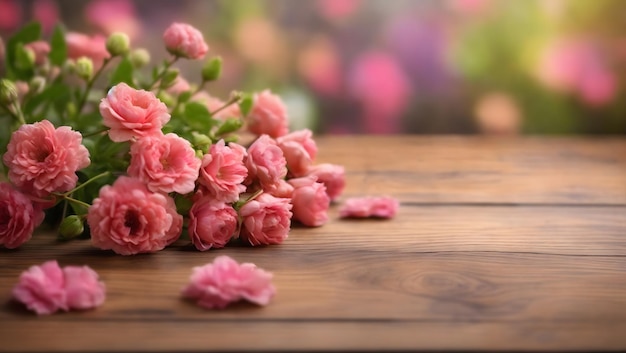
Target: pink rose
{"type": "Point", "coordinates": [266, 163]}
{"type": "Point", "coordinates": [94, 47]}
{"type": "Point", "coordinates": [310, 201]}
{"type": "Point", "coordinates": [363, 207]}
{"type": "Point", "coordinates": [47, 288]}
{"type": "Point", "coordinates": [300, 151]}
{"type": "Point", "coordinates": [132, 113]}
{"type": "Point", "coordinates": [166, 163]}
{"type": "Point", "coordinates": [18, 217]}
{"type": "Point", "coordinates": [212, 223]}
{"type": "Point", "coordinates": [217, 284]}
{"type": "Point", "coordinates": [184, 40]}
{"type": "Point", "coordinates": [222, 172]}
{"type": "Point", "coordinates": [266, 220]}
{"type": "Point", "coordinates": [268, 115]}
{"type": "Point", "coordinates": [332, 176]}
{"type": "Point", "coordinates": [42, 159]}
{"type": "Point", "coordinates": [41, 49]}
{"type": "Point", "coordinates": [129, 219]}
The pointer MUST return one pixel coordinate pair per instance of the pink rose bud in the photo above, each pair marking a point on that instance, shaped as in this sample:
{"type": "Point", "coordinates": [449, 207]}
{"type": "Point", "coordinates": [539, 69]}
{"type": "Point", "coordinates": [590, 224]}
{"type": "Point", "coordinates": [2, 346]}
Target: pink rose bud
{"type": "Point", "coordinates": [42, 159]}
{"type": "Point", "coordinates": [266, 220]}
{"type": "Point", "coordinates": [332, 176]}
{"type": "Point", "coordinates": [223, 171]}
{"type": "Point", "coordinates": [364, 207]}
{"type": "Point", "coordinates": [268, 115]}
{"type": "Point", "coordinates": [217, 284]}
{"type": "Point", "coordinates": [41, 49]}
{"type": "Point", "coordinates": [19, 217]}
{"type": "Point", "coordinates": [310, 201]}
{"type": "Point", "coordinates": [300, 151]}
{"type": "Point", "coordinates": [266, 163]}
{"type": "Point", "coordinates": [212, 223]}
{"type": "Point", "coordinates": [184, 40]}
{"type": "Point", "coordinates": [131, 113]}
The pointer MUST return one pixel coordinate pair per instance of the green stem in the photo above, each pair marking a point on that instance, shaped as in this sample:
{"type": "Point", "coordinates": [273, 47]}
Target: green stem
{"type": "Point", "coordinates": [76, 201]}
{"type": "Point", "coordinates": [19, 114]}
{"type": "Point", "coordinates": [101, 175]}
{"type": "Point", "coordinates": [90, 83]}
{"type": "Point", "coordinates": [233, 100]}
{"type": "Point", "coordinates": [95, 133]}
{"type": "Point", "coordinates": [158, 78]}
{"type": "Point", "coordinates": [10, 112]}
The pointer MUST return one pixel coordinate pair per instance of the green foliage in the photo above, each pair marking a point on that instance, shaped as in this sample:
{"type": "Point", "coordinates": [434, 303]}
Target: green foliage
{"type": "Point", "coordinates": [14, 55]}
{"type": "Point", "coordinates": [58, 46]}
{"type": "Point", "coordinates": [123, 73]}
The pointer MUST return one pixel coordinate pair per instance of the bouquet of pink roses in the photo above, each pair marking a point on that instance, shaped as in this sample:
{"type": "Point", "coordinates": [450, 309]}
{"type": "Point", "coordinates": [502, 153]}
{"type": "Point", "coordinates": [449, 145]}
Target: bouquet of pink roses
{"type": "Point", "coordinates": [133, 158]}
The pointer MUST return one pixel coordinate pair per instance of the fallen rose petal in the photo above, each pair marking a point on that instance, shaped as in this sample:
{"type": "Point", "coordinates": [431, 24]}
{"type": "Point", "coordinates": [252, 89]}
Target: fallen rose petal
{"type": "Point", "coordinates": [365, 207]}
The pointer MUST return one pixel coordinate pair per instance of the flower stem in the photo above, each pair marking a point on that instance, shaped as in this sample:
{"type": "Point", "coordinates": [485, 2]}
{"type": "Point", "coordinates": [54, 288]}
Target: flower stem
{"type": "Point", "coordinates": [8, 110]}
{"type": "Point", "coordinates": [76, 201]}
{"type": "Point", "coordinates": [90, 83]}
{"type": "Point", "coordinates": [157, 79]}
{"type": "Point", "coordinates": [101, 175]}
{"type": "Point", "coordinates": [233, 100]}
{"type": "Point", "coordinates": [95, 132]}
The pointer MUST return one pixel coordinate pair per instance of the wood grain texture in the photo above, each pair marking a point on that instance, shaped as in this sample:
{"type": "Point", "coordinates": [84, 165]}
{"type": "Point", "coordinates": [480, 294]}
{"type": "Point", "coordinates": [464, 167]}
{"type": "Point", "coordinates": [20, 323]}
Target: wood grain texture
{"type": "Point", "coordinates": [516, 264]}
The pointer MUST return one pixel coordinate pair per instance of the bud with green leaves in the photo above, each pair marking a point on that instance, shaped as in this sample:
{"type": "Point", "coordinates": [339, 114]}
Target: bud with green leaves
{"type": "Point", "coordinates": [140, 57]}
{"type": "Point", "coordinates": [8, 92]}
{"type": "Point", "coordinates": [71, 227]}
{"type": "Point", "coordinates": [37, 84]}
{"type": "Point", "coordinates": [84, 68]}
{"type": "Point", "coordinates": [118, 44]}
{"type": "Point", "coordinates": [212, 69]}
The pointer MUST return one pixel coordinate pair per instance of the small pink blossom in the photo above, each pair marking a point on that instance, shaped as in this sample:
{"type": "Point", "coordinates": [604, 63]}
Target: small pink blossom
{"type": "Point", "coordinates": [310, 201]}
{"type": "Point", "coordinates": [41, 49]}
{"type": "Point", "coordinates": [332, 176]}
{"type": "Point", "coordinates": [180, 85]}
{"type": "Point", "coordinates": [48, 288]}
{"type": "Point", "coordinates": [166, 163]}
{"type": "Point", "coordinates": [129, 219]}
{"type": "Point", "coordinates": [131, 113]}
{"type": "Point", "coordinates": [268, 115]}
{"type": "Point", "coordinates": [364, 207]}
{"type": "Point", "coordinates": [300, 151]}
{"type": "Point", "coordinates": [212, 223]}
{"type": "Point", "coordinates": [217, 284]}
{"type": "Point", "coordinates": [18, 217]}
{"type": "Point", "coordinates": [223, 171]}
{"type": "Point", "coordinates": [184, 40]}
{"type": "Point", "coordinates": [94, 48]}
{"type": "Point", "coordinates": [266, 220]}
{"type": "Point", "coordinates": [266, 163]}
{"type": "Point", "coordinates": [42, 159]}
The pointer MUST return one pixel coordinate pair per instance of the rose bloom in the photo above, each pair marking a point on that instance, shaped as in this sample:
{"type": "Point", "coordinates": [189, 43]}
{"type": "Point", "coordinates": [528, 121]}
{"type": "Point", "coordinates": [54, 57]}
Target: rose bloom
{"type": "Point", "coordinates": [94, 47]}
{"type": "Point", "coordinates": [129, 219]}
{"type": "Point", "coordinates": [184, 40]}
{"type": "Point", "coordinates": [300, 151]}
{"type": "Point", "coordinates": [364, 207]}
{"type": "Point", "coordinates": [268, 115]}
{"type": "Point", "coordinates": [217, 284]}
{"type": "Point", "coordinates": [42, 289]}
{"type": "Point", "coordinates": [18, 217]}
{"type": "Point", "coordinates": [41, 49]}
{"type": "Point", "coordinates": [82, 287]}
{"type": "Point", "coordinates": [166, 163]}
{"type": "Point", "coordinates": [212, 223]}
{"type": "Point", "coordinates": [266, 163]}
{"type": "Point", "coordinates": [310, 201]}
{"type": "Point", "coordinates": [131, 113]}
{"type": "Point", "coordinates": [42, 159]}
{"type": "Point", "coordinates": [332, 176]}
{"type": "Point", "coordinates": [266, 220]}
{"type": "Point", "coordinates": [222, 172]}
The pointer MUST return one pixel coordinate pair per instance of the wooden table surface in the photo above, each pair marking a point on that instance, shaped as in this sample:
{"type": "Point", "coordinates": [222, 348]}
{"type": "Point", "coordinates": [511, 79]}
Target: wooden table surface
{"type": "Point", "coordinates": [499, 244]}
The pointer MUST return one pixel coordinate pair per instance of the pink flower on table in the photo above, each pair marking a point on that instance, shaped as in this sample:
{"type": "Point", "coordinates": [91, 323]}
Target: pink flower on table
{"type": "Point", "coordinates": [217, 284]}
{"type": "Point", "coordinates": [83, 289]}
{"type": "Point", "coordinates": [42, 159]}
{"type": "Point", "coordinates": [18, 217]}
{"type": "Point", "coordinates": [223, 171]}
{"type": "Point", "coordinates": [364, 207]}
{"type": "Point", "coordinates": [266, 163]}
{"type": "Point", "coordinates": [41, 49]}
{"type": "Point", "coordinates": [268, 115]}
{"type": "Point", "coordinates": [266, 220]}
{"type": "Point", "coordinates": [212, 223]}
{"type": "Point", "coordinates": [129, 219]}
{"type": "Point", "coordinates": [299, 150]}
{"type": "Point", "coordinates": [332, 176]}
{"type": "Point", "coordinates": [94, 48]}
{"type": "Point", "coordinates": [165, 163]}
{"type": "Point", "coordinates": [310, 201]}
{"type": "Point", "coordinates": [184, 40]}
{"type": "Point", "coordinates": [132, 113]}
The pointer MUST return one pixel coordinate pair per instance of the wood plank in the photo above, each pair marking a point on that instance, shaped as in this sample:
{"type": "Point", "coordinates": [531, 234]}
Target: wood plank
{"type": "Point", "coordinates": [453, 169]}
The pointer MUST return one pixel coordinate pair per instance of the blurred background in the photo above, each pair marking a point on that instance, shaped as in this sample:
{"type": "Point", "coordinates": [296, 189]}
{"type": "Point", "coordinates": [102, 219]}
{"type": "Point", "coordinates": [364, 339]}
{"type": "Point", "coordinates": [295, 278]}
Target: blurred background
{"type": "Point", "coordinates": [392, 66]}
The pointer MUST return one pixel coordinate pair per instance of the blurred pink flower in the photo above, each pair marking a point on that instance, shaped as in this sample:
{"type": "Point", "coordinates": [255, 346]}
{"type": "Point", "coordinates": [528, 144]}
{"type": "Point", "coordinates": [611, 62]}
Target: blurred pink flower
{"type": "Point", "coordinates": [47, 13]}
{"type": "Point", "coordinates": [94, 47]}
{"type": "Point", "coordinates": [266, 220]}
{"type": "Point", "coordinates": [129, 219]}
{"type": "Point", "coordinates": [10, 14]}
{"type": "Point", "coordinates": [222, 172]}
{"type": "Point", "coordinates": [212, 223]}
{"type": "Point", "coordinates": [114, 16]}
{"type": "Point", "coordinates": [319, 64]}
{"type": "Point", "coordinates": [268, 115]}
{"type": "Point", "coordinates": [132, 113]}
{"type": "Point", "coordinates": [310, 201]}
{"type": "Point", "coordinates": [165, 163]}
{"type": "Point", "coordinates": [42, 288]}
{"type": "Point", "coordinates": [214, 103]}
{"type": "Point", "coordinates": [299, 150]}
{"type": "Point", "coordinates": [470, 7]}
{"type": "Point", "coordinates": [498, 113]}
{"type": "Point", "coordinates": [332, 176]}
{"type": "Point", "coordinates": [364, 207]}
{"type": "Point", "coordinates": [337, 9]}
{"type": "Point", "coordinates": [217, 284]}
{"type": "Point", "coordinates": [180, 85]}
{"type": "Point", "coordinates": [41, 49]}
{"type": "Point", "coordinates": [83, 288]}
{"type": "Point", "coordinates": [18, 217]}
{"type": "Point", "coordinates": [42, 159]}
{"type": "Point", "coordinates": [186, 41]}
{"type": "Point", "coordinates": [598, 87]}
{"type": "Point", "coordinates": [265, 162]}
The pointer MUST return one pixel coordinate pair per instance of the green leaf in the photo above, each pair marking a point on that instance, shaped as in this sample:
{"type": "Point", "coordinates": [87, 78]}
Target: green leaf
{"type": "Point", "coordinates": [184, 97]}
{"type": "Point", "coordinates": [58, 46]}
{"type": "Point", "coordinates": [123, 73]}
{"type": "Point", "coordinates": [245, 105]}
{"type": "Point", "coordinates": [29, 33]}
{"type": "Point", "coordinates": [230, 125]}
{"type": "Point", "coordinates": [198, 117]}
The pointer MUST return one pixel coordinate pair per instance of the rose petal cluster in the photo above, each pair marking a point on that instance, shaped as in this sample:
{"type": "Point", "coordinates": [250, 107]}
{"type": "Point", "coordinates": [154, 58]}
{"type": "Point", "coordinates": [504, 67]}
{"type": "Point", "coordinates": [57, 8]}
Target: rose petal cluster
{"type": "Point", "coordinates": [225, 281]}
{"type": "Point", "coordinates": [310, 201]}
{"type": "Point", "coordinates": [365, 207]}
{"type": "Point", "coordinates": [212, 223]}
{"type": "Point", "coordinates": [184, 40]}
{"type": "Point", "coordinates": [268, 115]}
{"type": "Point", "coordinates": [18, 217]}
{"type": "Point", "coordinates": [222, 172]}
{"type": "Point", "coordinates": [48, 288]}
{"type": "Point", "coordinates": [266, 220]}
